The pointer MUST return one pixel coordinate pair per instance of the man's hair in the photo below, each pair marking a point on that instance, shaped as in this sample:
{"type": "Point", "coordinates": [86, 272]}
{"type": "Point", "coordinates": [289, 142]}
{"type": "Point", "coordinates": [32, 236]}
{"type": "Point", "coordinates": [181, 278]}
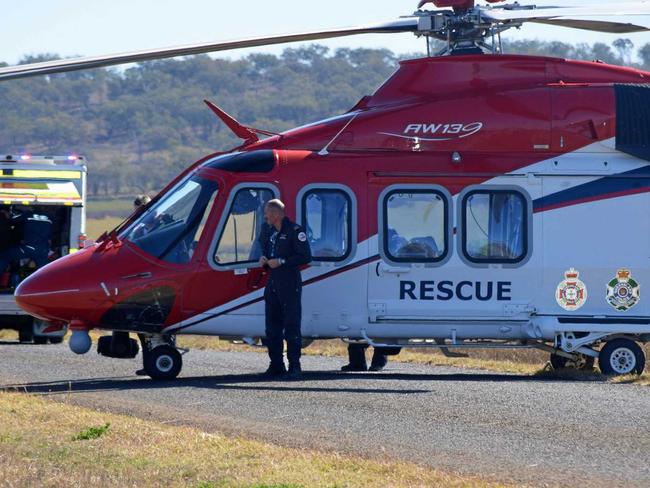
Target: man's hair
{"type": "Point", "coordinates": [141, 200]}
{"type": "Point", "coordinates": [276, 204]}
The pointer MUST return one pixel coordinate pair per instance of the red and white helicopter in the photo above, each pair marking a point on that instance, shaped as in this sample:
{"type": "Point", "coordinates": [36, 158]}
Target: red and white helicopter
{"type": "Point", "coordinates": [477, 199]}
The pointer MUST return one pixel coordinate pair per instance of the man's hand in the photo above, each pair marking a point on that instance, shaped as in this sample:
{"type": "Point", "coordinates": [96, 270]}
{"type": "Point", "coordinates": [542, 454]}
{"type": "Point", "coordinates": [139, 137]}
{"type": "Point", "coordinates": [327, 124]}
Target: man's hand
{"type": "Point", "coordinates": [263, 261]}
{"type": "Point", "coordinates": [274, 263]}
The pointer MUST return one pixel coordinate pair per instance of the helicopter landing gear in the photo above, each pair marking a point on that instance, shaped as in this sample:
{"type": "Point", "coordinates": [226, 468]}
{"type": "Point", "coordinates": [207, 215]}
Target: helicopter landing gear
{"type": "Point", "coordinates": [161, 359]}
{"type": "Point", "coordinates": [163, 363]}
{"type": "Point", "coordinates": [581, 363]}
{"type": "Point", "coordinates": [621, 356]}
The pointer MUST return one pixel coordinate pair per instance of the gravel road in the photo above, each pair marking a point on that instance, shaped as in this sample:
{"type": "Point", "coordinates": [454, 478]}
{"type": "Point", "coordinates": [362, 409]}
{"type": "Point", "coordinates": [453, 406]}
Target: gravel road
{"type": "Point", "coordinates": [497, 426]}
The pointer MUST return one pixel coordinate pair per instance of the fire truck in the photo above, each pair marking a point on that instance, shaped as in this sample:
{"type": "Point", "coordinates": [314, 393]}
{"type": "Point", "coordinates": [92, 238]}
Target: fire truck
{"type": "Point", "coordinates": [42, 218]}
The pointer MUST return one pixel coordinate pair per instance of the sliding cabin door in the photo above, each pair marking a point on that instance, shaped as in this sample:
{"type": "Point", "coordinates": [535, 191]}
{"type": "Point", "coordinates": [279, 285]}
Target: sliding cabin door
{"type": "Point", "coordinates": [466, 258]}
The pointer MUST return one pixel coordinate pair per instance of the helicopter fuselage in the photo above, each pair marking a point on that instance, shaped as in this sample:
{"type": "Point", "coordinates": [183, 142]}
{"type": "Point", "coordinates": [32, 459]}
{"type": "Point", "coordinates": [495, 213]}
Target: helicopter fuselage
{"type": "Point", "coordinates": [470, 198]}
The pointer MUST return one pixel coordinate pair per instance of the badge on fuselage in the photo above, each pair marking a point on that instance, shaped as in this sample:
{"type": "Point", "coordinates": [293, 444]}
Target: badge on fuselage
{"type": "Point", "coordinates": [623, 292]}
{"type": "Point", "coordinates": [571, 293]}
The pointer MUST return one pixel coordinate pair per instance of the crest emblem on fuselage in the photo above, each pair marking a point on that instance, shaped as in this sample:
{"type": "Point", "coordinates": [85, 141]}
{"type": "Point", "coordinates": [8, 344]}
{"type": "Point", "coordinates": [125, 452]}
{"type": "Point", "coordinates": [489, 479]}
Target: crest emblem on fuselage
{"type": "Point", "coordinates": [571, 293]}
{"type": "Point", "coordinates": [623, 292]}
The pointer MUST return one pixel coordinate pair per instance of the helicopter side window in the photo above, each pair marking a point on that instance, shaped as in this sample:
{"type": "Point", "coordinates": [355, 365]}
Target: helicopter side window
{"type": "Point", "coordinates": [494, 226]}
{"type": "Point", "coordinates": [238, 242]}
{"type": "Point", "coordinates": [327, 217]}
{"type": "Point", "coordinates": [171, 229]}
{"type": "Point", "coordinates": [415, 225]}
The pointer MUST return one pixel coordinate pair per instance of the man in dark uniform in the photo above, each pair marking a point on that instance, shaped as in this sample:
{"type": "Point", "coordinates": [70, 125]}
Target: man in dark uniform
{"type": "Point", "coordinates": [284, 248]}
{"type": "Point", "coordinates": [35, 241]}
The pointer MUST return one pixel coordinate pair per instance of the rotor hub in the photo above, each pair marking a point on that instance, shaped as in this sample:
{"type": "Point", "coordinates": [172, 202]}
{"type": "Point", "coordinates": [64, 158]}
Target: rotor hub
{"type": "Point", "coordinates": [466, 27]}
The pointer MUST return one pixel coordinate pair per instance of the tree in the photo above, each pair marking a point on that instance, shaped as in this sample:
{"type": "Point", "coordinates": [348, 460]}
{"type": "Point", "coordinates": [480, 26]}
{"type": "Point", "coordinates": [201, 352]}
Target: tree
{"type": "Point", "coordinates": [644, 54]}
{"type": "Point", "coordinates": [624, 48]}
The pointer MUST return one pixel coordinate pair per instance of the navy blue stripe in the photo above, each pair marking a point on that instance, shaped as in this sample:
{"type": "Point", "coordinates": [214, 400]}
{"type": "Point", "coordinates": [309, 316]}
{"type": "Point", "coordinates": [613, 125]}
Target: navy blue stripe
{"type": "Point", "coordinates": [635, 180]}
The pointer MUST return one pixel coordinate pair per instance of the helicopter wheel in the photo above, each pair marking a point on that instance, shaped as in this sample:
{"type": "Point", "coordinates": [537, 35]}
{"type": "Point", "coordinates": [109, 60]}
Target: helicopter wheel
{"type": "Point", "coordinates": [620, 357]}
{"type": "Point", "coordinates": [583, 363]}
{"type": "Point", "coordinates": [163, 363]}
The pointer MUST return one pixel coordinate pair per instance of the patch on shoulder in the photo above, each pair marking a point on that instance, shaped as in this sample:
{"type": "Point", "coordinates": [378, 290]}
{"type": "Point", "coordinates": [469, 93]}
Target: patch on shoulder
{"type": "Point", "coordinates": [302, 237]}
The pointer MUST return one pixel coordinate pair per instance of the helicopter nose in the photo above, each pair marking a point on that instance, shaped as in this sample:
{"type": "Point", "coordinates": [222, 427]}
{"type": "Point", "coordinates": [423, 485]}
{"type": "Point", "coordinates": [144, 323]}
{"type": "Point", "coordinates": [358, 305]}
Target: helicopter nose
{"type": "Point", "coordinates": [57, 292]}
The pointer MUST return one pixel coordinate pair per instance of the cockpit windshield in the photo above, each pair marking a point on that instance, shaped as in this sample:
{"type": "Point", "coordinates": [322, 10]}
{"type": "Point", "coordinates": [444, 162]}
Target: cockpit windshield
{"type": "Point", "coordinates": [171, 229]}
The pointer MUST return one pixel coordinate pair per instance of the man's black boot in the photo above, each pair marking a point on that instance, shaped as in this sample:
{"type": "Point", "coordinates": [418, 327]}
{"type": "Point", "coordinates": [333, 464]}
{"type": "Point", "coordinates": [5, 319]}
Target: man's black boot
{"type": "Point", "coordinates": [275, 371]}
{"type": "Point", "coordinates": [357, 358]}
{"type": "Point", "coordinates": [349, 368]}
{"type": "Point", "coordinates": [295, 372]}
{"type": "Point", "coordinates": [379, 361]}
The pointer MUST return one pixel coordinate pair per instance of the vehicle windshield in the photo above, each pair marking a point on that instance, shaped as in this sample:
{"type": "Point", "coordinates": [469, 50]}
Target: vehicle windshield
{"type": "Point", "coordinates": [171, 229]}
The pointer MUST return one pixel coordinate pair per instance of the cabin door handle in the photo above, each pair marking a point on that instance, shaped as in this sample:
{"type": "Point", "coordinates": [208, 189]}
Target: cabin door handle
{"type": "Point", "coordinates": [382, 269]}
{"type": "Point", "coordinates": [144, 276]}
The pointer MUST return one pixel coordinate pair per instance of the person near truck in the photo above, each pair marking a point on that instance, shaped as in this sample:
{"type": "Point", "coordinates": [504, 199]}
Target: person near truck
{"type": "Point", "coordinates": [35, 241]}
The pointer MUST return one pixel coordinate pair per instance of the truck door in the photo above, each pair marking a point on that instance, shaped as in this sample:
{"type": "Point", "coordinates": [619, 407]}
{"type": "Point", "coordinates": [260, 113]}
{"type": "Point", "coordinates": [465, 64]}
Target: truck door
{"type": "Point", "coordinates": [444, 258]}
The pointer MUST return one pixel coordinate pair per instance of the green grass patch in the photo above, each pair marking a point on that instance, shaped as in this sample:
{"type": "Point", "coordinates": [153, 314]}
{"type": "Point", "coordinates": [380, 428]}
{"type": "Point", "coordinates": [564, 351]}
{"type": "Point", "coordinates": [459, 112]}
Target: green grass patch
{"type": "Point", "coordinates": [92, 433]}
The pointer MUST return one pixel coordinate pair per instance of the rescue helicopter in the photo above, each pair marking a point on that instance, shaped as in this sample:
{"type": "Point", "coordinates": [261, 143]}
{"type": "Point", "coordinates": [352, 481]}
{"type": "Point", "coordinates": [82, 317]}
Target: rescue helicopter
{"type": "Point", "coordinates": [476, 199]}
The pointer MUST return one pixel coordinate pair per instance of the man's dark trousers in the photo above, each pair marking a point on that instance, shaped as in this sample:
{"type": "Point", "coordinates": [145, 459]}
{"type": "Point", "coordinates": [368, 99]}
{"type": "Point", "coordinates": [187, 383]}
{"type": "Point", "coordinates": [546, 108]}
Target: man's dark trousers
{"type": "Point", "coordinates": [283, 315]}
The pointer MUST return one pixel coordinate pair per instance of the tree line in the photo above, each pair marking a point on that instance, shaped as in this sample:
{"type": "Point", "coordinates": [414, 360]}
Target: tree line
{"type": "Point", "coordinates": [140, 126]}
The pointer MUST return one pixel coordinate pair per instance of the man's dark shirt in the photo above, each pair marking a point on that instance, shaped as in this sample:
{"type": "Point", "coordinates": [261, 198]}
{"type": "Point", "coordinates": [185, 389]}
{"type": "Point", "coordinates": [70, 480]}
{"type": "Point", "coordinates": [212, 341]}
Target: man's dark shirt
{"type": "Point", "coordinates": [289, 243]}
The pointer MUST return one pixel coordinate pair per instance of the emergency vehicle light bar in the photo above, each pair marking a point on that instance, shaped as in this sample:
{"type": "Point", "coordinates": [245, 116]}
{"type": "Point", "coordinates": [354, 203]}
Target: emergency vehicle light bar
{"type": "Point", "coordinates": [22, 158]}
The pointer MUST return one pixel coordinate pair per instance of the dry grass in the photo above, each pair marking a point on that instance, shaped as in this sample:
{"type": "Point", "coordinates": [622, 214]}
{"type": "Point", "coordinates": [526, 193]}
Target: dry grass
{"type": "Point", "coordinates": [100, 206]}
{"type": "Point", "coordinates": [41, 445]}
{"type": "Point", "coordinates": [8, 335]}
{"type": "Point", "coordinates": [643, 380]}
{"type": "Point", "coordinates": [522, 361]}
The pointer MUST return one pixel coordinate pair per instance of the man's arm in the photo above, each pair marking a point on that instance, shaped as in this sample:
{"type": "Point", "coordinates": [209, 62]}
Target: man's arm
{"type": "Point", "coordinates": [262, 241]}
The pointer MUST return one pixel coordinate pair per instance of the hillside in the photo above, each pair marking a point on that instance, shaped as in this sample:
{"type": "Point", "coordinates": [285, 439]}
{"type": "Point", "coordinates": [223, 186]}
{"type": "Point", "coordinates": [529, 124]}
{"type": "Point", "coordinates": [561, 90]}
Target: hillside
{"type": "Point", "coordinates": [141, 126]}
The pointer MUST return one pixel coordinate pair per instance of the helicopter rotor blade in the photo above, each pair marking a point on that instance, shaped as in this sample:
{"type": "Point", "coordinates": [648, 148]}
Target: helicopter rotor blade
{"type": "Point", "coordinates": [59, 66]}
{"type": "Point", "coordinates": [595, 18]}
{"type": "Point", "coordinates": [605, 26]}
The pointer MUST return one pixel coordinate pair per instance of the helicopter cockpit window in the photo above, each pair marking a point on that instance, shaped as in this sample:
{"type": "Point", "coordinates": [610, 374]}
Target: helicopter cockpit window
{"type": "Point", "coordinates": [495, 226]}
{"type": "Point", "coordinates": [327, 218]}
{"type": "Point", "coordinates": [238, 242]}
{"type": "Point", "coordinates": [171, 229]}
{"type": "Point", "coordinates": [415, 226]}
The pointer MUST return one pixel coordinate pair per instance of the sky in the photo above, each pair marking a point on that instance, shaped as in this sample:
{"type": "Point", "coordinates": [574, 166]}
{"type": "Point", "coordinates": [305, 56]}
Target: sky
{"type": "Point", "coordinates": [94, 27]}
